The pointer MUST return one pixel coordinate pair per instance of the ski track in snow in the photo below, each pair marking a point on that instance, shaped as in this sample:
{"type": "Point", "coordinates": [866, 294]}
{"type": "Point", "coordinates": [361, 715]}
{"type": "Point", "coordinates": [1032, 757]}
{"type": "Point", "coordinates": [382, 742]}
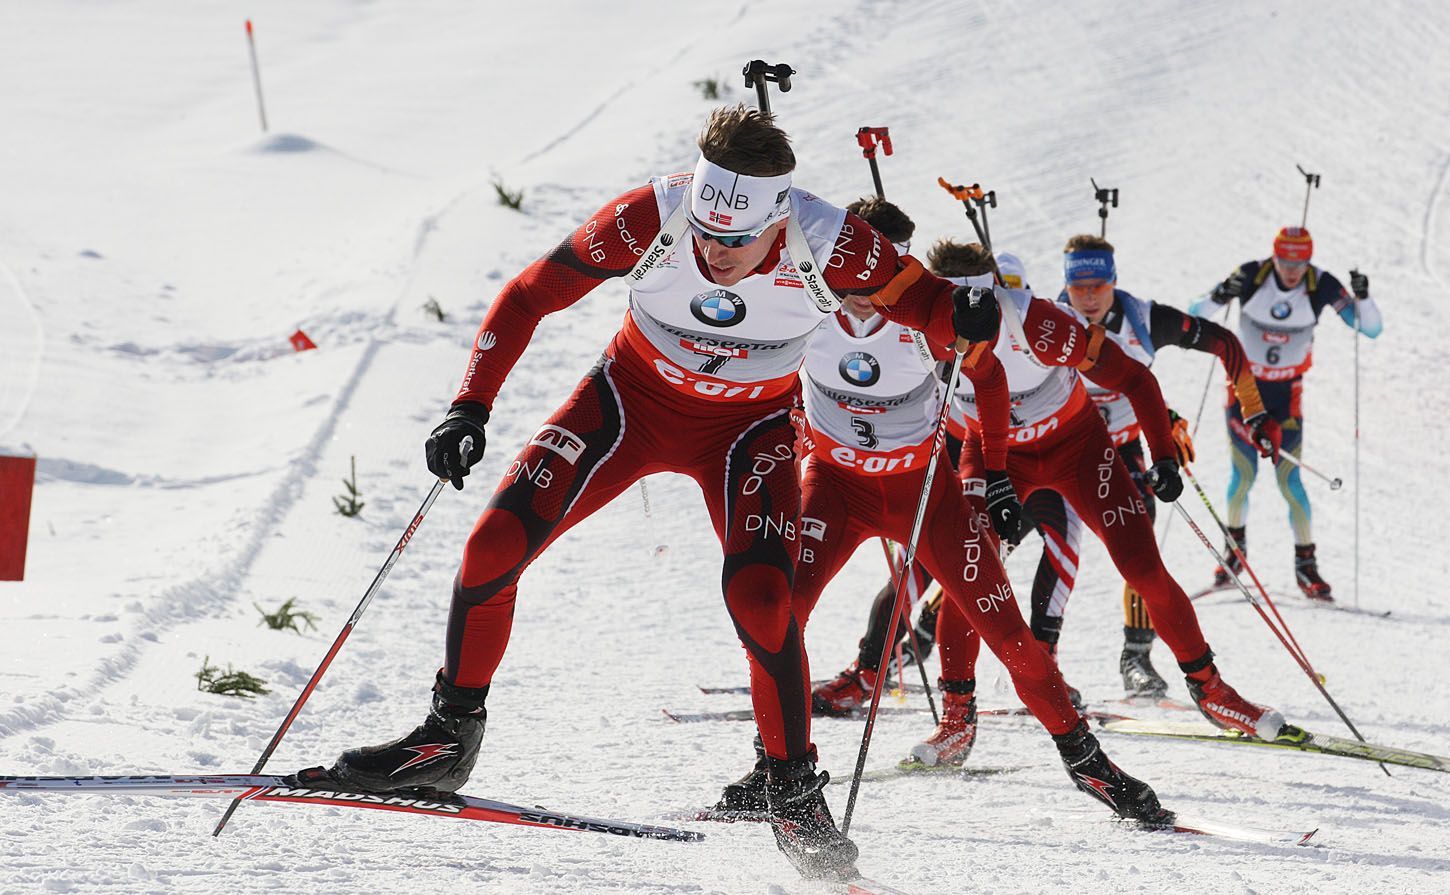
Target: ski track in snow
{"type": "Point", "coordinates": [1432, 215]}
{"type": "Point", "coordinates": [27, 362]}
{"type": "Point", "coordinates": [202, 596]}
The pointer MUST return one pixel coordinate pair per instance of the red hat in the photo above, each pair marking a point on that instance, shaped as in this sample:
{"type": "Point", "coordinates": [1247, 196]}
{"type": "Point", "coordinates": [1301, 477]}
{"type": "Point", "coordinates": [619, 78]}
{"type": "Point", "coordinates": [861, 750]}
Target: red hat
{"type": "Point", "coordinates": [1293, 244]}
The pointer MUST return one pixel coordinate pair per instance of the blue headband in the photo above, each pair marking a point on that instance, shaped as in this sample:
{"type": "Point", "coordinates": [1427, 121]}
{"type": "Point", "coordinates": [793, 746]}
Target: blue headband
{"type": "Point", "coordinates": [1089, 264]}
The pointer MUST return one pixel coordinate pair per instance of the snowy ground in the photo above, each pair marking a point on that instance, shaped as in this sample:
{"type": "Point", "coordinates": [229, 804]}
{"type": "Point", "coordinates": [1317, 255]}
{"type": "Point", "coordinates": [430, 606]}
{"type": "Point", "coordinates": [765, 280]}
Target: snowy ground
{"type": "Point", "coordinates": [156, 251]}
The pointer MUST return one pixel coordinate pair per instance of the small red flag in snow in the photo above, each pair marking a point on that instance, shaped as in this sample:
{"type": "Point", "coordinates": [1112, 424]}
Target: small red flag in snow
{"type": "Point", "coordinates": [300, 341]}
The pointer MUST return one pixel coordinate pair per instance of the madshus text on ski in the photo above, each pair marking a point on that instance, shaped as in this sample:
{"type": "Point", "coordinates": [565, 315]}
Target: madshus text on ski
{"type": "Point", "coordinates": [825, 387]}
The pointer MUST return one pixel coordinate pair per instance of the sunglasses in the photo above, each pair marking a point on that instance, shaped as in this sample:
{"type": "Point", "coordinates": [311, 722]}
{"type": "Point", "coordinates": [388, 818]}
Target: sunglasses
{"type": "Point", "coordinates": [728, 240]}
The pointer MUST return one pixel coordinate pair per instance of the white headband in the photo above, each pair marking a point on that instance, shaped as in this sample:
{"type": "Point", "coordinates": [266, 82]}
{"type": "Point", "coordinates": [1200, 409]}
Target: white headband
{"type": "Point", "coordinates": [731, 203]}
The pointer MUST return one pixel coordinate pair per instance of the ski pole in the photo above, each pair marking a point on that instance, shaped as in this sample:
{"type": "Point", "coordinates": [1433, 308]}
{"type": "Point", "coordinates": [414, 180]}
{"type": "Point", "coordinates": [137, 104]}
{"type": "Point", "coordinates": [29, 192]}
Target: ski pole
{"type": "Point", "coordinates": [465, 447]}
{"type": "Point", "coordinates": [938, 444]}
{"type": "Point", "coordinates": [1311, 183]}
{"type": "Point", "coordinates": [869, 139]}
{"type": "Point", "coordinates": [1244, 561]}
{"type": "Point", "coordinates": [1253, 601]}
{"type": "Point", "coordinates": [759, 73]}
{"type": "Point", "coordinates": [1103, 197]}
{"type": "Point", "coordinates": [915, 641]}
{"type": "Point", "coordinates": [660, 547]}
{"type": "Point", "coordinates": [1335, 482]}
{"type": "Point", "coordinates": [1356, 447]}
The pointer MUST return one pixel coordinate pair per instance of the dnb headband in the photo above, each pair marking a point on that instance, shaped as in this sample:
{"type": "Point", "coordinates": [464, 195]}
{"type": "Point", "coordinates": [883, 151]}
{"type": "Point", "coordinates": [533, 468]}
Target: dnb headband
{"type": "Point", "coordinates": [735, 204]}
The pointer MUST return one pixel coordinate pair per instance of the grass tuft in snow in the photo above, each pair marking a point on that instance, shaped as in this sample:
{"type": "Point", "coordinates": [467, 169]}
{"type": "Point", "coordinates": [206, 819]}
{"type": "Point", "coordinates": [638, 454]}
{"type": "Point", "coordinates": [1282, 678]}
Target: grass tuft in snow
{"type": "Point", "coordinates": [512, 198]}
{"type": "Point", "coordinates": [211, 679]}
{"type": "Point", "coordinates": [286, 617]}
{"type": "Point", "coordinates": [348, 504]}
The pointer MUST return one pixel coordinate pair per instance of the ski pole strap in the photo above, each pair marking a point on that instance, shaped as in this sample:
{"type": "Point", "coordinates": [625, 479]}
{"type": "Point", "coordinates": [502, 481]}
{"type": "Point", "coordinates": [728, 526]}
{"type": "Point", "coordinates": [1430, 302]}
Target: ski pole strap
{"type": "Point", "coordinates": [1096, 336]}
{"type": "Point", "coordinates": [888, 295]}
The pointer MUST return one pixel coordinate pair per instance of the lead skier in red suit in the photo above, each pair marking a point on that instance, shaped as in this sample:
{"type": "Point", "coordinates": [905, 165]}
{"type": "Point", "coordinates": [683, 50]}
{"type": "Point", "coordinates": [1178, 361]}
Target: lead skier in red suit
{"type": "Point", "coordinates": [700, 379]}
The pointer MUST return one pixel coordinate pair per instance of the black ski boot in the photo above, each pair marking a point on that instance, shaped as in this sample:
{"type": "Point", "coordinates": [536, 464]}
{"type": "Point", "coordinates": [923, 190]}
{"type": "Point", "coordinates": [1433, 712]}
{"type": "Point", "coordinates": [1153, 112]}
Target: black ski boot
{"type": "Point", "coordinates": [1093, 773]}
{"type": "Point", "coordinates": [804, 829]}
{"type": "Point", "coordinates": [745, 798]}
{"type": "Point", "coordinates": [1239, 536]}
{"type": "Point", "coordinates": [1140, 678]}
{"type": "Point", "coordinates": [438, 754]}
{"type": "Point", "coordinates": [1306, 572]}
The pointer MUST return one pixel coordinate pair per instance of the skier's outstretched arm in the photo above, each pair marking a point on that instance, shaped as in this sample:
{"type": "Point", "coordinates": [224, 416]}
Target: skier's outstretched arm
{"type": "Point", "coordinates": [1169, 326]}
{"type": "Point", "coordinates": [909, 294]}
{"type": "Point", "coordinates": [600, 249]}
{"type": "Point", "coordinates": [1060, 339]}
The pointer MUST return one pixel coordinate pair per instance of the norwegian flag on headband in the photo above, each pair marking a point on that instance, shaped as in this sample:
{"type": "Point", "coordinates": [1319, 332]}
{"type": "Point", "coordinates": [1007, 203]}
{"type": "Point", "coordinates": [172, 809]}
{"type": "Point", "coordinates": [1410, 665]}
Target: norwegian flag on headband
{"type": "Point", "coordinates": [721, 219]}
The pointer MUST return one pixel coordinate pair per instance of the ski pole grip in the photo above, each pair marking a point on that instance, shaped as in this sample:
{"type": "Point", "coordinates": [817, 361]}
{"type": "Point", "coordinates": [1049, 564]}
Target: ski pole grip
{"type": "Point", "coordinates": [964, 193]}
{"type": "Point", "coordinates": [871, 137]}
{"type": "Point", "coordinates": [465, 447]}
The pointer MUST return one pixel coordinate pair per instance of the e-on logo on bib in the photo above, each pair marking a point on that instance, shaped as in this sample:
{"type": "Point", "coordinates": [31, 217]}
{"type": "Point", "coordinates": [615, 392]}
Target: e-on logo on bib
{"type": "Point", "coordinates": [718, 308]}
{"type": "Point", "coordinates": [860, 368]}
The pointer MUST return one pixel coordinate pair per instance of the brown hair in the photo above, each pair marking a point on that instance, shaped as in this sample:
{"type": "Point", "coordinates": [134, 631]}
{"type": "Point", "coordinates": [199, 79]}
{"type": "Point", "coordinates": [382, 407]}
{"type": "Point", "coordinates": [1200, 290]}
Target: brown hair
{"type": "Point", "coordinates": [746, 141]}
{"type": "Point", "coordinates": [1087, 241]}
{"type": "Point", "coordinates": [958, 259]}
{"type": "Point", "coordinates": [889, 220]}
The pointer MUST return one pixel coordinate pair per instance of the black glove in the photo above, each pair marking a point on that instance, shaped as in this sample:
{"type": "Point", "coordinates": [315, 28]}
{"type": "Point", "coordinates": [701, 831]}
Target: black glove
{"type": "Point", "coordinates": [444, 448]}
{"type": "Point", "coordinates": [1359, 285]}
{"type": "Point", "coordinates": [975, 315]}
{"type": "Point", "coordinates": [1165, 481]}
{"type": "Point", "coordinates": [1233, 287]}
{"type": "Point", "coordinates": [1003, 507]}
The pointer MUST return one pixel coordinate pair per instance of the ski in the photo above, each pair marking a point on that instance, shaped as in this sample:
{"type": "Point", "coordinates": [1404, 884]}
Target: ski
{"type": "Point", "coordinates": [863, 886]}
{"type": "Point", "coordinates": [749, 714]}
{"type": "Point", "coordinates": [1024, 712]}
{"type": "Point", "coordinates": [314, 787]}
{"type": "Point", "coordinates": [1213, 589]}
{"type": "Point", "coordinates": [910, 767]}
{"type": "Point", "coordinates": [1330, 605]}
{"type": "Point", "coordinates": [1182, 823]}
{"type": "Point", "coordinates": [744, 689]}
{"type": "Point", "coordinates": [1292, 738]}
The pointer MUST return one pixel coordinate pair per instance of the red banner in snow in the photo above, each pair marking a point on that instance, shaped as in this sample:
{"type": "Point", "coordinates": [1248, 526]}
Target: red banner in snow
{"type": "Point", "coordinates": [17, 481]}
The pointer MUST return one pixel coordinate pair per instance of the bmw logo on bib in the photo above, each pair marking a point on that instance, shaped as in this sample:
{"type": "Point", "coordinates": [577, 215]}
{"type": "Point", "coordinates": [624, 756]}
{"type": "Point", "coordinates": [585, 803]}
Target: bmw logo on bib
{"type": "Point", "coordinates": [718, 308]}
{"type": "Point", "coordinates": [1281, 310]}
{"type": "Point", "coordinates": [860, 368]}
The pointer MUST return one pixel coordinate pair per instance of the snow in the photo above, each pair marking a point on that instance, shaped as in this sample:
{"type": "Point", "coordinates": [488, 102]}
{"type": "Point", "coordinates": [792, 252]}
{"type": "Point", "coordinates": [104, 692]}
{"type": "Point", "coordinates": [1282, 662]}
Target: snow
{"type": "Point", "coordinates": [156, 251]}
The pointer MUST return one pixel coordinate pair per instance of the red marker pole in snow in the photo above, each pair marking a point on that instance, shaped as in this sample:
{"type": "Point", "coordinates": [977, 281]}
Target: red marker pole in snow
{"type": "Point", "coordinates": [256, 76]}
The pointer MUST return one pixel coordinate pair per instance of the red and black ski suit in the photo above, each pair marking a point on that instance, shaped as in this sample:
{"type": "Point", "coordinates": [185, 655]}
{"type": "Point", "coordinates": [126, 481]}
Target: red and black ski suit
{"type": "Point", "coordinates": [1076, 459]}
{"type": "Point", "coordinates": [630, 417]}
